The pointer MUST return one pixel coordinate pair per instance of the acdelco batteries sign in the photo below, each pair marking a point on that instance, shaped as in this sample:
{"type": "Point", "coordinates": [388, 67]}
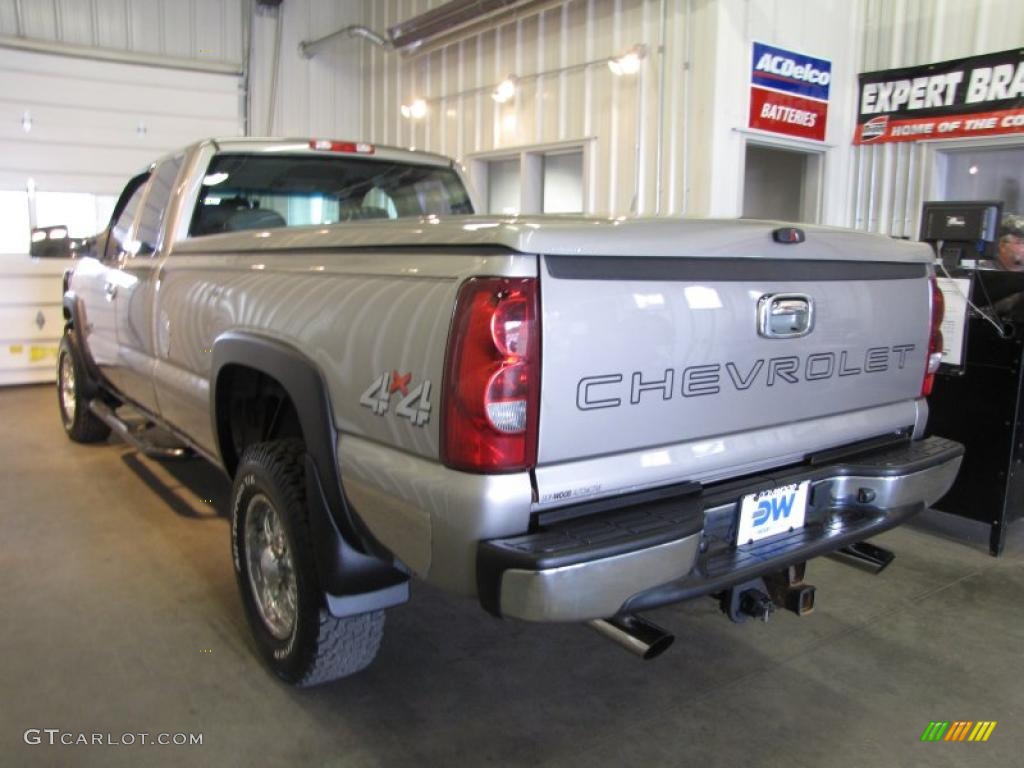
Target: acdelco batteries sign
{"type": "Point", "coordinates": [976, 96]}
{"type": "Point", "coordinates": [789, 92]}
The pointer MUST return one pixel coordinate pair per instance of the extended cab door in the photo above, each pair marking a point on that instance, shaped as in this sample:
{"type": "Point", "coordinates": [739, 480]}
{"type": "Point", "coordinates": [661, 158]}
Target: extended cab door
{"type": "Point", "coordinates": [138, 279]}
{"type": "Point", "coordinates": [98, 282]}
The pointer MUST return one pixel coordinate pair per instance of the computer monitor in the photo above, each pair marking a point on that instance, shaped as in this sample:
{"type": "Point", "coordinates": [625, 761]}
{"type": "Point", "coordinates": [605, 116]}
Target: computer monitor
{"type": "Point", "coordinates": [967, 229]}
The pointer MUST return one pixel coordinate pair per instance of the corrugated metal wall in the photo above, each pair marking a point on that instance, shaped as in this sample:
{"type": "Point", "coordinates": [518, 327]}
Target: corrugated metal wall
{"type": "Point", "coordinates": [322, 96]}
{"type": "Point", "coordinates": [566, 94]}
{"type": "Point", "coordinates": [889, 180]}
{"type": "Point", "coordinates": [203, 30]}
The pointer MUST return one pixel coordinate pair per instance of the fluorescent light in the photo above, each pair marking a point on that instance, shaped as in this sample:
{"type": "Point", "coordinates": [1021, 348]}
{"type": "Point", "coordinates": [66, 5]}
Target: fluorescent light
{"type": "Point", "coordinates": [212, 179]}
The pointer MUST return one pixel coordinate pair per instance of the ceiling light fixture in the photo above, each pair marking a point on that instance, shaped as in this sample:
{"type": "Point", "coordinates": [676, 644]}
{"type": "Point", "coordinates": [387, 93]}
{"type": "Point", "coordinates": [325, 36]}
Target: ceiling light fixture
{"type": "Point", "coordinates": [416, 110]}
{"type": "Point", "coordinates": [506, 90]}
{"type": "Point", "coordinates": [26, 121]}
{"type": "Point", "coordinates": [629, 62]}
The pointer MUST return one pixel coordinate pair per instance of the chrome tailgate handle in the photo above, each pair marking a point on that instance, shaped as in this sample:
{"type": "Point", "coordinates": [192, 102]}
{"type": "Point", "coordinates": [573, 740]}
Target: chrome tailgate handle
{"type": "Point", "coordinates": [785, 315]}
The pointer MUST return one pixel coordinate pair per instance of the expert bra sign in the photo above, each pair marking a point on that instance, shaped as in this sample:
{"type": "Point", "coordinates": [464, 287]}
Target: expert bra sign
{"type": "Point", "coordinates": [976, 96]}
{"type": "Point", "coordinates": [789, 92]}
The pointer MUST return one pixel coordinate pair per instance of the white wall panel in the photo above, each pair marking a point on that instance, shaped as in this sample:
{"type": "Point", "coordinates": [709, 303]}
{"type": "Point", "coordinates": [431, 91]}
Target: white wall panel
{"type": "Point", "coordinates": [31, 319]}
{"type": "Point", "coordinates": [890, 181]}
{"type": "Point", "coordinates": [94, 123]}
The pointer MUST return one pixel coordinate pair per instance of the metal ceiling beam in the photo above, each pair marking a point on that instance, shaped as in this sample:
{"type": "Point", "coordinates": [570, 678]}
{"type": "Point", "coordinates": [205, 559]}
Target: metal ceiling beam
{"type": "Point", "coordinates": [122, 57]}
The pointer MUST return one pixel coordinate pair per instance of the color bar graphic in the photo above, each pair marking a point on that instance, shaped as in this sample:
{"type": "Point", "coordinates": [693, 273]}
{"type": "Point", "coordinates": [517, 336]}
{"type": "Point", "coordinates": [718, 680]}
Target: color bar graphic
{"type": "Point", "coordinates": [934, 731]}
{"type": "Point", "coordinates": [958, 730]}
{"type": "Point", "coordinates": [982, 731]}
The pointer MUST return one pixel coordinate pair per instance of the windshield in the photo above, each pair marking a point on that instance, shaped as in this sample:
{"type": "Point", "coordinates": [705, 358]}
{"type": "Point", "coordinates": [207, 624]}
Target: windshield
{"type": "Point", "coordinates": [261, 191]}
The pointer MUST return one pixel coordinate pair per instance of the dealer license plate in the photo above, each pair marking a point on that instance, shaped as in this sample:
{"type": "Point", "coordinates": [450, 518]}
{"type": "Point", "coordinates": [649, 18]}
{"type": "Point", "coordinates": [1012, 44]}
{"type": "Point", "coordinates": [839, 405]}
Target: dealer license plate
{"type": "Point", "coordinates": [767, 513]}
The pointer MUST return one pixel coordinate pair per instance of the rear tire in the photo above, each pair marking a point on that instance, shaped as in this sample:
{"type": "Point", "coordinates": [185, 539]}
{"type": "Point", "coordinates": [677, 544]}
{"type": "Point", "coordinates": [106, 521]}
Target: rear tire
{"type": "Point", "coordinates": [272, 551]}
{"type": "Point", "coordinates": [74, 391]}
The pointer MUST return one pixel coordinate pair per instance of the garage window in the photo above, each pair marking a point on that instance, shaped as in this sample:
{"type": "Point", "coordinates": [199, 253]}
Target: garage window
{"type": "Point", "coordinates": [563, 182]}
{"type": "Point", "coordinates": [14, 225]}
{"type": "Point", "coordinates": [536, 180]}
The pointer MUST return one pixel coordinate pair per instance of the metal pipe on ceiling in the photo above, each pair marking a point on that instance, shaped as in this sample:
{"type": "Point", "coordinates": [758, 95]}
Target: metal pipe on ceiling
{"type": "Point", "coordinates": [310, 48]}
{"type": "Point", "coordinates": [443, 25]}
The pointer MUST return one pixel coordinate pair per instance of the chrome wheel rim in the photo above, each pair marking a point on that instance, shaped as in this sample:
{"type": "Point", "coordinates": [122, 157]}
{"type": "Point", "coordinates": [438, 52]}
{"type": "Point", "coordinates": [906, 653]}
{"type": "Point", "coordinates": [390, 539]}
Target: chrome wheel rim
{"type": "Point", "coordinates": [67, 387]}
{"type": "Point", "coordinates": [270, 567]}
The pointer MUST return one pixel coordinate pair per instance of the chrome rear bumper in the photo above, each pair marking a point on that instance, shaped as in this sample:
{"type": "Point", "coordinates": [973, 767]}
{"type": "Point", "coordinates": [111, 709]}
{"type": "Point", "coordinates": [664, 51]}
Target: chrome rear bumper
{"type": "Point", "coordinates": [655, 548]}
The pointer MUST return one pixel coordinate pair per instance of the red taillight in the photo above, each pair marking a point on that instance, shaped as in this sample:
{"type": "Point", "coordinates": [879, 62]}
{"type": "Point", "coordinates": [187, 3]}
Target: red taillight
{"type": "Point", "coordinates": [329, 145]}
{"type": "Point", "coordinates": [934, 357]}
{"type": "Point", "coordinates": [492, 377]}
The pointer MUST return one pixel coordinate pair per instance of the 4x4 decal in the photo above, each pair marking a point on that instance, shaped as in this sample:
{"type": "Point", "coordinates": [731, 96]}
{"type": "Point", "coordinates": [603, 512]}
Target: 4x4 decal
{"type": "Point", "coordinates": [415, 402]}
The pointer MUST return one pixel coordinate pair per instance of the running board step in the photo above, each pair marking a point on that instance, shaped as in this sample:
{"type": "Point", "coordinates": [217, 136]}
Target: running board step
{"type": "Point", "coordinates": [134, 437]}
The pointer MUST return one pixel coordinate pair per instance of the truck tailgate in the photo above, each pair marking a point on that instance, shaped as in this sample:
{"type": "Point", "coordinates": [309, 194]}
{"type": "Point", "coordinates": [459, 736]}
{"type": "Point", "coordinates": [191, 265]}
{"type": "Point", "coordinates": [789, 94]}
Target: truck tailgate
{"type": "Point", "coordinates": [640, 353]}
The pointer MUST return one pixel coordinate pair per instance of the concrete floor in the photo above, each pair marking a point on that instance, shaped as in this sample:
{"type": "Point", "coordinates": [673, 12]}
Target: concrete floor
{"type": "Point", "coordinates": [121, 616]}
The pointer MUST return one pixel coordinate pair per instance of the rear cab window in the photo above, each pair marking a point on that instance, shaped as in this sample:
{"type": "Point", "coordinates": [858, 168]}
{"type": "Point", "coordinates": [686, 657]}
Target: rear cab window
{"type": "Point", "coordinates": [243, 191]}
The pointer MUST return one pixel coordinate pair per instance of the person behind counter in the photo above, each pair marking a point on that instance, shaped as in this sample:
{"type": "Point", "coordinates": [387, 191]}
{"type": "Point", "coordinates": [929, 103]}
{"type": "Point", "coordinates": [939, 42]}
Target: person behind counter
{"type": "Point", "coordinates": [1010, 249]}
{"type": "Point", "coordinates": [1008, 291]}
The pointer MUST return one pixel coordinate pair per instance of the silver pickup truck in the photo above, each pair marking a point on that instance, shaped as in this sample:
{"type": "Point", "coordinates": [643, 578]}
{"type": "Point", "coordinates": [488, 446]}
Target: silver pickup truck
{"type": "Point", "coordinates": [570, 419]}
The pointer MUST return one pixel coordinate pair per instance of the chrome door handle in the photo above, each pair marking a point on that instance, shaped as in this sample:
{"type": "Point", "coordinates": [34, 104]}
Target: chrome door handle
{"type": "Point", "coordinates": [110, 290]}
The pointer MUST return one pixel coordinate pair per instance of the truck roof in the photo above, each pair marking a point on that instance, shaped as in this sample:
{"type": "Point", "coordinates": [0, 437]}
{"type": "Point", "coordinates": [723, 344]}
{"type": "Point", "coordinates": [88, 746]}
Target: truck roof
{"type": "Point", "coordinates": [302, 145]}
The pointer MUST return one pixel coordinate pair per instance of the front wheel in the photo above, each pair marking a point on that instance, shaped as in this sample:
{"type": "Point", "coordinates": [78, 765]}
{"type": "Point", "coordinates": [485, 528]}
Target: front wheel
{"type": "Point", "coordinates": [74, 390]}
{"type": "Point", "coordinates": [273, 556]}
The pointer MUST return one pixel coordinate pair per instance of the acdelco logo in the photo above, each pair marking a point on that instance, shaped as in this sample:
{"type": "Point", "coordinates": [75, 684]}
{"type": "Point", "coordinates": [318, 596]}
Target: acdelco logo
{"type": "Point", "coordinates": [786, 67]}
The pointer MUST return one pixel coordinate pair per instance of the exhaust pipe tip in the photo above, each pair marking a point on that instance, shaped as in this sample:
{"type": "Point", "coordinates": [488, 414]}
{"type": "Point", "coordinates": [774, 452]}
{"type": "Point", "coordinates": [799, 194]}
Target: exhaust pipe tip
{"type": "Point", "coordinates": [638, 636]}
